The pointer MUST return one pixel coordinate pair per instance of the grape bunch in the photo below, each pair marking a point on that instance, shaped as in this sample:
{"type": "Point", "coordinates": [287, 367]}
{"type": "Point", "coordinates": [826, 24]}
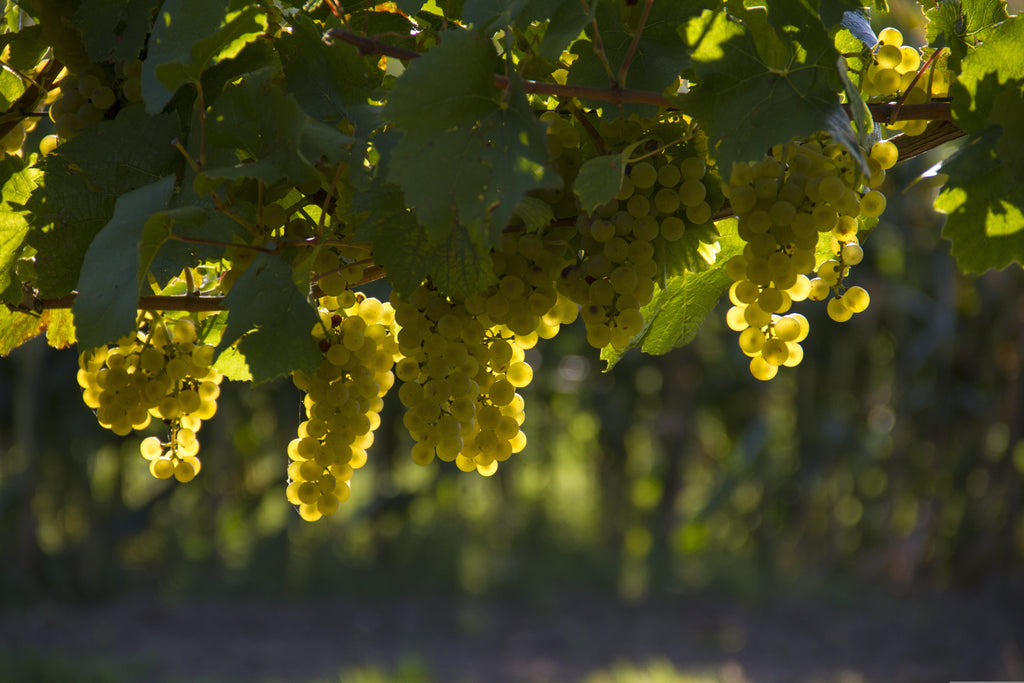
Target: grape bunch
{"type": "Point", "coordinates": [803, 193]}
{"type": "Point", "coordinates": [525, 300]}
{"type": "Point", "coordinates": [459, 382]}
{"type": "Point", "coordinates": [615, 274]}
{"type": "Point", "coordinates": [88, 96]}
{"type": "Point", "coordinates": [161, 372]}
{"type": "Point", "coordinates": [343, 401]}
{"type": "Point", "coordinates": [898, 71]}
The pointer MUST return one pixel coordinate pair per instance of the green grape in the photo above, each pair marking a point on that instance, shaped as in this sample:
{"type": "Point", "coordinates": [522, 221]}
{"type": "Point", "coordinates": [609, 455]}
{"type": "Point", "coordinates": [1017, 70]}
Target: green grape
{"type": "Point", "coordinates": [890, 36]}
{"type": "Point", "coordinates": [638, 206]}
{"type": "Point", "coordinates": [672, 228]}
{"type": "Point", "coordinates": [838, 310]}
{"type": "Point", "coordinates": [888, 56]}
{"type": "Point", "coordinates": [692, 168]}
{"type": "Point", "coordinates": [666, 200]}
{"type": "Point", "coordinates": [643, 175]}
{"type": "Point", "coordinates": [699, 214]}
{"type": "Point", "coordinates": [761, 369]}
{"type": "Point", "coordinates": [692, 192]}
{"type": "Point", "coordinates": [872, 204]}
{"type": "Point", "coordinates": [856, 299]}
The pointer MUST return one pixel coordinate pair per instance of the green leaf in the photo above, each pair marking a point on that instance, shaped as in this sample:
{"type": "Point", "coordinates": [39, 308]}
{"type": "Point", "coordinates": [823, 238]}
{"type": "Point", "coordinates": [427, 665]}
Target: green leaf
{"type": "Point", "coordinates": [263, 303]}
{"type": "Point", "coordinates": [991, 69]}
{"type": "Point", "coordinates": [330, 82]}
{"type": "Point", "coordinates": [397, 239]}
{"type": "Point", "coordinates": [115, 30]}
{"type": "Point", "coordinates": [473, 175]}
{"type": "Point", "coordinates": [11, 88]}
{"type": "Point", "coordinates": [17, 327]}
{"type": "Point", "coordinates": [165, 258]}
{"type": "Point", "coordinates": [187, 38]}
{"type": "Point", "coordinates": [534, 213]}
{"type": "Point", "coordinates": [962, 24]}
{"type": "Point", "coordinates": [60, 328]}
{"type": "Point", "coordinates": [984, 200]}
{"type": "Point", "coordinates": [16, 186]}
{"type": "Point", "coordinates": [108, 287]}
{"type": "Point", "coordinates": [230, 362]}
{"type": "Point", "coordinates": [765, 80]}
{"type": "Point", "coordinates": [81, 181]}
{"type": "Point", "coordinates": [458, 265]}
{"type": "Point", "coordinates": [660, 56]}
{"type": "Point", "coordinates": [566, 23]}
{"type": "Point", "coordinates": [451, 85]}
{"type": "Point", "coordinates": [272, 143]}
{"type": "Point", "coordinates": [676, 312]}
{"type": "Point", "coordinates": [25, 49]}
{"type": "Point", "coordinates": [599, 180]}
{"type": "Point", "coordinates": [984, 191]}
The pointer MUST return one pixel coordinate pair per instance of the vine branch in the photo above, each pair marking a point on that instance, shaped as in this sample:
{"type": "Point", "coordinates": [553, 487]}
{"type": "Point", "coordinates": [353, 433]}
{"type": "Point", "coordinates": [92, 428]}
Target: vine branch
{"type": "Point", "coordinates": [882, 112]}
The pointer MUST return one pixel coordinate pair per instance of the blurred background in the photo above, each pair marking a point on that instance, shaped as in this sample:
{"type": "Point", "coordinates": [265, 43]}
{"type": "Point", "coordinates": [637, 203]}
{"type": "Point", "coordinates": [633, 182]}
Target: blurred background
{"type": "Point", "coordinates": [673, 520]}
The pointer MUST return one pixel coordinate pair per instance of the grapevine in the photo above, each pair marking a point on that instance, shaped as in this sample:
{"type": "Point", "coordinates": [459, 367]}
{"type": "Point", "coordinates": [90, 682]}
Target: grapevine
{"type": "Point", "coordinates": [397, 197]}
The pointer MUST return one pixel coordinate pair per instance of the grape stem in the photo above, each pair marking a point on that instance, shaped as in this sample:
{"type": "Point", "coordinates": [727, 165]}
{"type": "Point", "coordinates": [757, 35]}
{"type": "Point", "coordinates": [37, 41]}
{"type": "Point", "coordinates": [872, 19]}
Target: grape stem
{"type": "Point", "coordinates": [628, 59]}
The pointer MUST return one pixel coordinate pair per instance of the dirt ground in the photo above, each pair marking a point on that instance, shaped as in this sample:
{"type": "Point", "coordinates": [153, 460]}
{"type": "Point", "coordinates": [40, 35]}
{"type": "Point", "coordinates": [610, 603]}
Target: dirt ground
{"type": "Point", "coordinates": [967, 635]}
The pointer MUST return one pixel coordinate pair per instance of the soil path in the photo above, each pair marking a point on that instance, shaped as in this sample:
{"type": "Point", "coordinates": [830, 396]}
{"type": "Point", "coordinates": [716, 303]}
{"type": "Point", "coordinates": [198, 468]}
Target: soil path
{"type": "Point", "coordinates": [964, 636]}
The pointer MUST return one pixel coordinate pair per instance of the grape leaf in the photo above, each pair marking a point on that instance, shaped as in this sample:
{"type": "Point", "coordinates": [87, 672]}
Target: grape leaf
{"type": "Point", "coordinates": [11, 88]}
{"type": "Point", "coordinates": [280, 141]}
{"type": "Point", "coordinates": [984, 199]}
{"type": "Point", "coordinates": [60, 327]}
{"type": "Point", "coordinates": [165, 258]}
{"type": "Point", "coordinates": [230, 362]}
{"type": "Point", "coordinates": [16, 186]}
{"type": "Point", "coordinates": [187, 38]}
{"type": "Point", "coordinates": [25, 49]}
{"type": "Point", "coordinates": [397, 239]}
{"type": "Point", "coordinates": [263, 302]}
{"type": "Point", "coordinates": [469, 172]}
{"type": "Point", "coordinates": [115, 30]}
{"type": "Point", "coordinates": [989, 70]}
{"type": "Point", "coordinates": [676, 311]}
{"type": "Point", "coordinates": [108, 287]}
{"type": "Point", "coordinates": [600, 178]}
{"type": "Point", "coordinates": [452, 85]}
{"type": "Point", "coordinates": [459, 265]}
{"type": "Point", "coordinates": [660, 55]}
{"type": "Point", "coordinates": [984, 191]}
{"type": "Point", "coordinates": [17, 327]}
{"type": "Point", "coordinates": [963, 24]}
{"type": "Point", "coordinates": [765, 79]}
{"type": "Point", "coordinates": [330, 82]}
{"type": "Point", "coordinates": [566, 22]}
{"type": "Point", "coordinates": [80, 182]}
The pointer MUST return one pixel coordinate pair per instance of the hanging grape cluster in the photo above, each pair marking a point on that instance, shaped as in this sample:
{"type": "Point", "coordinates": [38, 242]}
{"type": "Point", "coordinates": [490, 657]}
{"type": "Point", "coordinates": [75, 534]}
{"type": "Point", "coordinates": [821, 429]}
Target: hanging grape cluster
{"type": "Point", "coordinates": [805, 193]}
{"type": "Point", "coordinates": [161, 372]}
{"type": "Point", "coordinates": [343, 400]}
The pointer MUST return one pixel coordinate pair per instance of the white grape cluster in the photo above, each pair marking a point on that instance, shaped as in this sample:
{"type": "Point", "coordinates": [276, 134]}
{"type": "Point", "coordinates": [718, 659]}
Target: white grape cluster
{"type": "Point", "coordinates": [459, 382]}
{"type": "Point", "coordinates": [803, 192]}
{"type": "Point", "coordinates": [524, 300]}
{"type": "Point", "coordinates": [162, 372]}
{"type": "Point", "coordinates": [895, 72]}
{"type": "Point", "coordinates": [86, 97]}
{"type": "Point", "coordinates": [343, 400]}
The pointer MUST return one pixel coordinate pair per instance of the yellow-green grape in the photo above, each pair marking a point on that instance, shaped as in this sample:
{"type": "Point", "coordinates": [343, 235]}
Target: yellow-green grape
{"type": "Point", "coordinates": [872, 204]}
{"type": "Point", "coordinates": [890, 36]}
{"type": "Point", "coordinates": [856, 299]}
{"type": "Point", "coordinates": [888, 56]}
{"type": "Point", "coordinates": [885, 153]}
{"type": "Point", "coordinates": [343, 402]}
{"type": "Point", "coordinates": [838, 310]}
{"type": "Point", "coordinates": [762, 369]}
{"type": "Point", "coordinates": [14, 139]}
